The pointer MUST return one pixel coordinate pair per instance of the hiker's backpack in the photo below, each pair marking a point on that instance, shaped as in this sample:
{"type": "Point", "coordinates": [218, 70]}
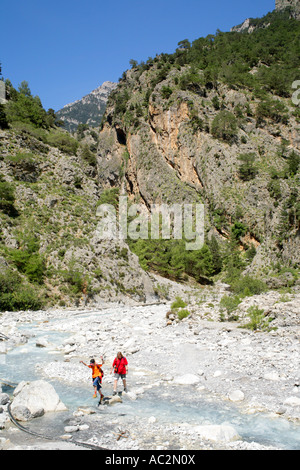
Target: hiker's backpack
{"type": "Point", "coordinates": [101, 370]}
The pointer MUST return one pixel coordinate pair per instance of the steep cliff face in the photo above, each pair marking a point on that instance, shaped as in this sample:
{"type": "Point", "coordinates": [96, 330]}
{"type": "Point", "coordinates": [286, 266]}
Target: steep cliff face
{"type": "Point", "coordinates": [293, 5]}
{"type": "Point", "coordinates": [167, 140]}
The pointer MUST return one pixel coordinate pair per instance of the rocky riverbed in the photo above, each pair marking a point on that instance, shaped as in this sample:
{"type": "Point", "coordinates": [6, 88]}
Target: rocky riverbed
{"type": "Point", "coordinates": [196, 362]}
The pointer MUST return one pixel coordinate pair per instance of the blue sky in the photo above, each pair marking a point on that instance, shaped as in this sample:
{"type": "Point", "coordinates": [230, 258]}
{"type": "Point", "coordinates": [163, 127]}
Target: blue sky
{"type": "Point", "coordinates": [67, 48]}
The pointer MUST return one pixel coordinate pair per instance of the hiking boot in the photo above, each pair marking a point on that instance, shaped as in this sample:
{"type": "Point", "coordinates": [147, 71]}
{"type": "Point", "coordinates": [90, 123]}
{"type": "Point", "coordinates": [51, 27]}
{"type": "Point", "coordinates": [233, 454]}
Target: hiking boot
{"type": "Point", "coordinates": [125, 389]}
{"type": "Point", "coordinates": [100, 401]}
{"type": "Point", "coordinates": [95, 395]}
{"type": "Point", "coordinates": [114, 393]}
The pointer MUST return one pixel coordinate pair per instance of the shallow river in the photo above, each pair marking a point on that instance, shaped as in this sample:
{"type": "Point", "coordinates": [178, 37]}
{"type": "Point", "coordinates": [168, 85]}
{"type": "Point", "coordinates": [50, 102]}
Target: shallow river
{"type": "Point", "coordinates": [163, 402]}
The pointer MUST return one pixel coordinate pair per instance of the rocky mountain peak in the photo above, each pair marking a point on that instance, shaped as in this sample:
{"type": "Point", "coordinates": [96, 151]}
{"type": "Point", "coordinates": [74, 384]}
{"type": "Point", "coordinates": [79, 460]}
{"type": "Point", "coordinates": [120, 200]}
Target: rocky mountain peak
{"type": "Point", "coordinates": [251, 24]}
{"type": "Point", "coordinates": [88, 110]}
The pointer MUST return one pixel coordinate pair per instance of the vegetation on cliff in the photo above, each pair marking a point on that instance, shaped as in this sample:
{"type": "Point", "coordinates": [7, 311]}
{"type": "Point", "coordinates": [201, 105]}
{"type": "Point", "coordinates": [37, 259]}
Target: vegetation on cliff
{"type": "Point", "coordinates": [217, 117]}
{"type": "Point", "coordinates": [265, 61]}
{"type": "Point", "coordinates": [49, 250]}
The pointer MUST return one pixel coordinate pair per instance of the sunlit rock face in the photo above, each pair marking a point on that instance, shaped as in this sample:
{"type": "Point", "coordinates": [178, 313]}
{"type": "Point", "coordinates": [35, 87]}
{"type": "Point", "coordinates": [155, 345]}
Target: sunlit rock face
{"type": "Point", "coordinates": [293, 4]}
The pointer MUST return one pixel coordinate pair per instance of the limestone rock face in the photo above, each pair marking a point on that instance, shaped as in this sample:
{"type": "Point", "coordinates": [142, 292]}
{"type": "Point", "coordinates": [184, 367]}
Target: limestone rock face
{"type": "Point", "coordinates": [294, 5]}
{"type": "Point", "coordinates": [166, 152]}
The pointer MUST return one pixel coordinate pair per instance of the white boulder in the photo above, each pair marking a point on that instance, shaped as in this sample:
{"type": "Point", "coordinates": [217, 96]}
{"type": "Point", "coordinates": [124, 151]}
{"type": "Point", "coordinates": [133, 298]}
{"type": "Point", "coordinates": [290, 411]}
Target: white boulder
{"type": "Point", "coordinates": [37, 396]}
{"type": "Point", "coordinates": [292, 401]}
{"type": "Point", "coordinates": [272, 376]}
{"type": "Point", "coordinates": [187, 379]}
{"type": "Point", "coordinates": [112, 400]}
{"type": "Point", "coordinates": [217, 433]}
{"type": "Point", "coordinates": [236, 395]}
{"type": "Point", "coordinates": [42, 343]}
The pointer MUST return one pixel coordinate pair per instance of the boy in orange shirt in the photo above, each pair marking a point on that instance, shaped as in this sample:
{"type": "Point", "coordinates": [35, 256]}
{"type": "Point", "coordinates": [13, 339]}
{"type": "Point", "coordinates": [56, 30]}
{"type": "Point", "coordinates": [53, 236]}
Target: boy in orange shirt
{"type": "Point", "coordinates": [97, 374]}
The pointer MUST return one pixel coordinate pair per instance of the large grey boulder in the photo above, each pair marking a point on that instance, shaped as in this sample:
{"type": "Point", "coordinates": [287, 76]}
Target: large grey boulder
{"type": "Point", "coordinates": [22, 413]}
{"type": "Point", "coordinates": [4, 398]}
{"type": "Point", "coordinates": [38, 397]}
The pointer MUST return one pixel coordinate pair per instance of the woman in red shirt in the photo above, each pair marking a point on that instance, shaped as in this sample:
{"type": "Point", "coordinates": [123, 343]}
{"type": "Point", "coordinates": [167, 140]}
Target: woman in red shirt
{"type": "Point", "coordinates": [120, 367]}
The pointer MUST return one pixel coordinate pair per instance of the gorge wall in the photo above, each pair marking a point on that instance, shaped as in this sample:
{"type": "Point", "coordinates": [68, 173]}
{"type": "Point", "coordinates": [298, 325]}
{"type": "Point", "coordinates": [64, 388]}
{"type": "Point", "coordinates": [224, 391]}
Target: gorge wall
{"type": "Point", "coordinates": [171, 135]}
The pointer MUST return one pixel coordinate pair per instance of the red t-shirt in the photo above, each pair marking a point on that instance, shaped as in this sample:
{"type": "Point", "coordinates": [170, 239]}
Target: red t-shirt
{"type": "Point", "coordinates": [119, 365]}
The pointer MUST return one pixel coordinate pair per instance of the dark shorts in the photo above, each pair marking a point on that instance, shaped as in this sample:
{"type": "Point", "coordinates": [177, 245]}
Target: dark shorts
{"type": "Point", "coordinates": [97, 383]}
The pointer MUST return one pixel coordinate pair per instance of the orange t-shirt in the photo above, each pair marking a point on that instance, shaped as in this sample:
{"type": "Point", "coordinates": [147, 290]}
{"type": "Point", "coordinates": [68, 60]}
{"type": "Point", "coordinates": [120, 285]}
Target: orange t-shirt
{"type": "Point", "coordinates": [96, 370]}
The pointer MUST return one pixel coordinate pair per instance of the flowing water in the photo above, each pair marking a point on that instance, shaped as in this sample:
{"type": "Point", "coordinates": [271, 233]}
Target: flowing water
{"type": "Point", "coordinates": [163, 402]}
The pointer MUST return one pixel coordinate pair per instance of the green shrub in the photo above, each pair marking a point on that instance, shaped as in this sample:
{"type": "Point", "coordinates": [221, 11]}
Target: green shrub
{"type": "Point", "coordinates": [81, 128]}
{"type": "Point", "coordinates": [75, 279]}
{"type": "Point", "coordinates": [53, 137]}
{"type": "Point", "coordinates": [28, 261]}
{"type": "Point", "coordinates": [257, 319]}
{"type": "Point", "coordinates": [274, 189]}
{"type": "Point", "coordinates": [7, 198]}
{"type": "Point", "coordinates": [272, 109]}
{"type": "Point", "coordinates": [293, 164]}
{"type": "Point", "coordinates": [216, 102]}
{"type": "Point", "coordinates": [247, 285]}
{"type": "Point", "coordinates": [247, 170]}
{"type": "Point", "coordinates": [121, 102]}
{"type": "Point", "coordinates": [196, 124]}
{"type": "Point", "coordinates": [177, 307]}
{"type": "Point", "coordinates": [191, 80]}
{"type": "Point", "coordinates": [183, 313]}
{"type": "Point", "coordinates": [64, 142]}
{"type": "Point", "coordinates": [224, 126]}
{"type": "Point", "coordinates": [171, 259]}
{"type": "Point", "coordinates": [26, 109]}
{"type": "Point", "coordinates": [15, 295]}
{"type": "Point", "coordinates": [166, 92]}
{"type": "Point", "coordinates": [110, 196]}
{"type": "Point", "coordinates": [9, 281]}
{"type": "Point", "coordinates": [178, 303]}
{"type": "Point", "coordinates": [89, 156]}
{"type": "Point", "coordinates": [3, 118]}
{"type": "Point", "coordinates": [241, 287]}
{"type": "Point", "coordinates": [238, 230]}
{"type": "Point", "coordinates": [22, 157]}
{"type": "Point", "coordinates": [230, 303]}
{"type": "Point", "coordinates": [30, 264]}
{"type": "Point", "coordinates": [25, 298]}
{"type": "Point", "coordinates": [29, 128]}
